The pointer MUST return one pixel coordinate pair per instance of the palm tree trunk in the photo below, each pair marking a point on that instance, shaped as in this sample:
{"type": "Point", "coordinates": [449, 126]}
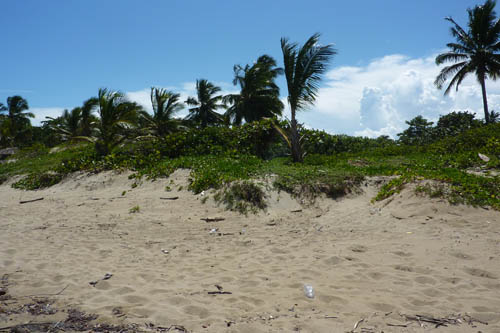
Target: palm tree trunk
{"type": "Point", "coordinates": [485, 100]}
{"type": "Point", "coordinates": [295, 139]}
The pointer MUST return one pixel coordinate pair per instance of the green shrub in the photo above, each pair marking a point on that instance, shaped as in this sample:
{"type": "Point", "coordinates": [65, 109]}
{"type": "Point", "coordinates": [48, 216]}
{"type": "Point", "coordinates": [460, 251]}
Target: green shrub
{"type": "Point", "coordinates": [243, 197]}
{"type": "Point", "coordinates": [37, 181]}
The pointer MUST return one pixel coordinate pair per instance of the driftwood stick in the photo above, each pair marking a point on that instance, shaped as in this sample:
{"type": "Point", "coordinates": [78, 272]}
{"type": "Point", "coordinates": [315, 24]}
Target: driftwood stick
{"type": "Point", "coordinates": [169, 198]}
{"type": "Point", "coordinates": [32, 200]}
{"type": "Point", "coordinates": [219, 293]}
{"type": "Point", "coordinates": [215, 219]}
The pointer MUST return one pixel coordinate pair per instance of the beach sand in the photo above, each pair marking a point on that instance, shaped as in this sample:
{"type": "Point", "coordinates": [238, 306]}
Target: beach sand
{"type": "Point", "coordinates": [369, 264]}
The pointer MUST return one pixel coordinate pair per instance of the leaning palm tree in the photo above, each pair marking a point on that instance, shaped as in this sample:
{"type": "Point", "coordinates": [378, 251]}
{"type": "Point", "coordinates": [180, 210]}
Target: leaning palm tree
{"type": "Point", "coordinates": [16, 119]}
{"type": "Point", "coordinates": [259, 95]}
{"type": "Point", "coordinates": [165, 105]}
{"type": "Point", "coordinates": [303, 70]}
{"type": "Point", "coordinates": [477, 50]}
{"type": "Point", "coordinates": [205, 105]}
{"type": "Point", "coordinates": [116, 116]}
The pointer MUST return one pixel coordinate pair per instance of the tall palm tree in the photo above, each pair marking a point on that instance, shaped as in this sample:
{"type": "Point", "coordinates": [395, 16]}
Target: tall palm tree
{"type": "Point", "coordinates": [476, 50]}
{"type": "Point", "coordinates": [259, 95]}
{"type": "Point", "coordinates": [205, 104]}
{"type": "Point", "coordinates": [15, 119]}
{"type": "Point", "coordinates": [303, 70]}
{"type": "Point", "coordinates": [165, 105]}
{"type": "Point", "coordinates": [116, 116]}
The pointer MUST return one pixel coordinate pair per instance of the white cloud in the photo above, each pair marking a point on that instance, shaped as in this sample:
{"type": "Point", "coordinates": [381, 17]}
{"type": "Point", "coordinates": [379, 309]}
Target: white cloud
{"type": "Point", "coordinates": [370, 100]}
{"type": "Point", "coordinates": [378, 98]}
{"type": "Point", "coordinates": [41, 113]}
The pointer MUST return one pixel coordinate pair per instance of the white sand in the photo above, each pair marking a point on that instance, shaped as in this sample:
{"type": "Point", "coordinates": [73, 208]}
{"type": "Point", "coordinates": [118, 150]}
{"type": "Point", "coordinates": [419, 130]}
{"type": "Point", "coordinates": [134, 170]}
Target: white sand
{"type": "Point", "coordinates": [407, 255]}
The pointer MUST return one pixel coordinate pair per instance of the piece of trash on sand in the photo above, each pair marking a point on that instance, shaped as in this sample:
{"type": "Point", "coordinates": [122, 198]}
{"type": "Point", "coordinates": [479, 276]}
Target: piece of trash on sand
{"type": "Point", "coordinates": [107, 276]}
{"type": "Point", "coordinates": [164, 251]}
{"type": "Point", "coordinates": [213, 231]}
{"type": "Point", "coordinates": [309, 291]}
{"type": "Point", "coordinates": [483, 157]}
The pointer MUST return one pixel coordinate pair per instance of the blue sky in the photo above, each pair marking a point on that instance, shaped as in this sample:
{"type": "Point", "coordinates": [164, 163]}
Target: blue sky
{"type": "Point", "coordinates": [58, 53]}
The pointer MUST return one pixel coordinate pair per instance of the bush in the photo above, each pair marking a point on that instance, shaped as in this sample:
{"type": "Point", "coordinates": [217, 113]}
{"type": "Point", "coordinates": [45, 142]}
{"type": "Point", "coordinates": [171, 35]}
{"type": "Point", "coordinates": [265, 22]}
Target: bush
{"type": "Point", "coordinates": [242, 197]}
{"type": "Point", "coordinates": [37, 181]}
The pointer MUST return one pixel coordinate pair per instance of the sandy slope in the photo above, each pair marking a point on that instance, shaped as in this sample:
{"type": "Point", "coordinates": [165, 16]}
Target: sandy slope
{"type": "Point", "coordinates": [408, 255]}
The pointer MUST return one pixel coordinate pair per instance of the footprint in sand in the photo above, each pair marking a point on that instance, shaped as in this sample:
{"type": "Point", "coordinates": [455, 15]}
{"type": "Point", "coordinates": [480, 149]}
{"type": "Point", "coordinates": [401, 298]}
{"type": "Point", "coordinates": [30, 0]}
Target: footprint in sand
{"type": "Point", "coordinates": [461, 255]}
{"type": "Point", "coordinates": [332, 261]}
{"type": "Point", "coordinates": [358, 248]}
{"type": "Point", "coordinates": [135, 299]}
{"type": "Point", "coordinates": [432, 292]}
{"type": "Point", "coordinates": [425, 280]}
{"type": "Point", "coordinates": [332, 299]}
{"type": "Point", "coordinates": [376, 275]}
{"type": "Point", "coordinates": [197, 311]}
{"type": "Point", "coordinates": [480, 273]}
{"type": "Point", "coordinates": [404, 268]}
{"type": "Point", "coordinates": [382, 307]}
{"type": "Point", "coordinates": [403, 254]}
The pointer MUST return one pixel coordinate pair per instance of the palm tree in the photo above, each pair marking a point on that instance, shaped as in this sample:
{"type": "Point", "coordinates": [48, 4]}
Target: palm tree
{"type": "Point", "coordinates": [68, 124]}
{"type": "Point", "coordinates": [259, 95]}
{"type": "Point", "coordinates": [303, 70]}
{"type": "Point", "coordinates": [16, 120]}
{"type": "Point", "coordinates": [87, 118]}
{"type": "Point", "coordinates": [165, 105]}
{"type": "Point", "coordinates": [475, 51]}
{"type": "Point", "coordinates": [116, 116]}
{"type": "Point", "coordinates": [205, 104]}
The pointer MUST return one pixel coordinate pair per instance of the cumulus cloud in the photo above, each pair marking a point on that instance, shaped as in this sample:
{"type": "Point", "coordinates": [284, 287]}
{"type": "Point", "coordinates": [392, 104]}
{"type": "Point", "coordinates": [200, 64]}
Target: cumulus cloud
{"type": "Point", "coordinates": [370, 100]}
{"type": "Point", "coordinates": [377, 99]}
{"type": "Point", "coordinates": [41, 113]}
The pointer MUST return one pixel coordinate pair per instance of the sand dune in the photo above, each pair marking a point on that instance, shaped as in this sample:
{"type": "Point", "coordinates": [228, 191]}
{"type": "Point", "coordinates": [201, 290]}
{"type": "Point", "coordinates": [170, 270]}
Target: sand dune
{"type": "Point", "coordinates": [408, 255]}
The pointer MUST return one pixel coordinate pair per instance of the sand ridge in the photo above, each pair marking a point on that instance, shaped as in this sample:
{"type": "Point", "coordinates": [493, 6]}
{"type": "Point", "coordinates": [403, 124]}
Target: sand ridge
{"type": "Point", "coordinates": [372, 262]}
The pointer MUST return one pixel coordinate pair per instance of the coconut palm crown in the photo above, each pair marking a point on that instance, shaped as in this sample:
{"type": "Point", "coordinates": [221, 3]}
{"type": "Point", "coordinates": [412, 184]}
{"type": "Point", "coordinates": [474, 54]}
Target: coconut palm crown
{"type": "Point", "coordinates": [205, 104]}
{"type": "Point", "coordinates": [16, 119]}
{"type": "Point", "coordinates": [165, 105]}
{"type": "Point", "coordinates": [116, 116]}
{"type": "Point", "coordinates": [476, 50]}
{"type": "Point", "coordinates": [259, 95]}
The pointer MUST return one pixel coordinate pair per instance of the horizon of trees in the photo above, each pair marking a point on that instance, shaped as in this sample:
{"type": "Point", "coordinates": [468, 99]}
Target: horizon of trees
{"type": "Point", "coordinates": [476, 51]}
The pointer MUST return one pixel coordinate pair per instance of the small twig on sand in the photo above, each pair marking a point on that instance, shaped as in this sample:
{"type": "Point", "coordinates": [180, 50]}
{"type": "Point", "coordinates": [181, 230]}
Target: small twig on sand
{"type": "Point", "coordinates": [296, 211]}
{"type": "Point", "coordinates": [215, 219]}
{"type": "Point", "coordinates": [169, 198]}
{"type": "Point", "coordinates": [358, 322]}
{"type": "Point", "coordinates": [32, 200]}
{"type": "Point", "coordinates": [398, 325]}
{"type": "Point", "coordinates": [56, 294]}
{"type": "Point", "coordinates": [219, 293]}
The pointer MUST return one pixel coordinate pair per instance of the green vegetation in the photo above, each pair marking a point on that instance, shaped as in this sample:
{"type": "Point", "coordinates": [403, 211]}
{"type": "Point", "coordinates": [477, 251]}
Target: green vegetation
{"type": "Point", "coordinates": [334, 166]}
{"type": "Point", "coordinates": [304, 67]}
{"type": "Point", "coordinates": [242, 197]}
{"type": "Point", "coordinates": [203, 112]}
{"type": "Point", "coordinates": [259, 95]}
{"type": "Point", "coordinates": [135, 209]}
{"type": "Point", "coordinates": [35, 181]}
{"type": "Point", "coordinates": [227, 152]}
{"type": "Point", "coordinates": [474, 52]}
